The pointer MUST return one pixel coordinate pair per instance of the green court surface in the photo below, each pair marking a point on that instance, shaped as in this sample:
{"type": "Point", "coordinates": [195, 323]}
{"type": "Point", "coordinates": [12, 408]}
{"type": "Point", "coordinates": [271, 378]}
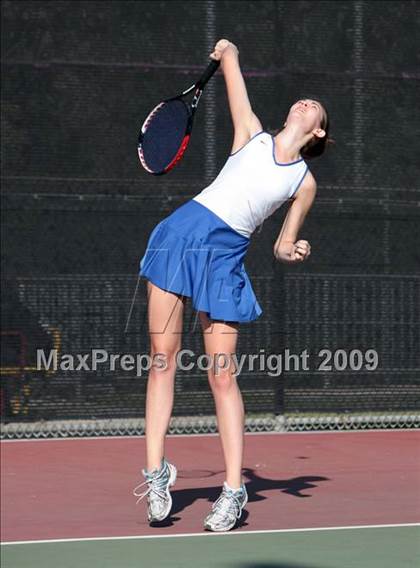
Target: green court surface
{"type": "Point", "coordinates": [373, 547]}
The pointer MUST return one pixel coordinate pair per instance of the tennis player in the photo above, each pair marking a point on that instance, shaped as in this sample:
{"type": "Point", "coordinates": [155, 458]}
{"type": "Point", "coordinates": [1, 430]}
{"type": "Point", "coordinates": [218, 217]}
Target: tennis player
{"type": "Point", "coordinates": [198, 252]}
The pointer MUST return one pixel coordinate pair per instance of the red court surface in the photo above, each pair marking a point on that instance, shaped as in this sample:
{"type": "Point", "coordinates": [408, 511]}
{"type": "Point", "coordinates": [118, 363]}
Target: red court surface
{"type": "Point", "coordinates": [80, 488]}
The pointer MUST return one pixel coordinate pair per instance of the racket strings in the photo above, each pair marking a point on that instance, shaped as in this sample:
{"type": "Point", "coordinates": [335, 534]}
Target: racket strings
{"type": "Point", "coordinates": [164, 133]}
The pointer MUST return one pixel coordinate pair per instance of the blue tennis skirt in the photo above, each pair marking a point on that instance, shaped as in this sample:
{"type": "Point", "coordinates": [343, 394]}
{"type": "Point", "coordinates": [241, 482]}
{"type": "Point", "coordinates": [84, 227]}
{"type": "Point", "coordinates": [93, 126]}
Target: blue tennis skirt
{"type": "Point", "coordinates": [193, 252]}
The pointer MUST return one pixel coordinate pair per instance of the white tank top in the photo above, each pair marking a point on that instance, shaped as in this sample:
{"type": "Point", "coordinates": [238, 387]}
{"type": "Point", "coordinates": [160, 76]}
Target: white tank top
{"type": "Point", "coordinates": [252, 185]}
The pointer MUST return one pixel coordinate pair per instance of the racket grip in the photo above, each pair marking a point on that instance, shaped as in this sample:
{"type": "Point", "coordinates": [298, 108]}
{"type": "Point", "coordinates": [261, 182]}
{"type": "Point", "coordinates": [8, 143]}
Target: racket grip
{"type": "Point", "coordinates": [208, 73]}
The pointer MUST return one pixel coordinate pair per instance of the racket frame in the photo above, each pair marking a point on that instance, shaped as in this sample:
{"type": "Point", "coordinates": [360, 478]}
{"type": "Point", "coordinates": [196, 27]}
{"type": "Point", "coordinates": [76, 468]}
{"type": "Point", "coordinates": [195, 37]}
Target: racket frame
{"type": "Point", "coordinates": [192, 107]}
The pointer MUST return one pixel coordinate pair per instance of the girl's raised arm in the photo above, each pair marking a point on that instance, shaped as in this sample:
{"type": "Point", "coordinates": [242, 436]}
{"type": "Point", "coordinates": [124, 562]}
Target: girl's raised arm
{"type": "Point", "coordinates": [245, 123]}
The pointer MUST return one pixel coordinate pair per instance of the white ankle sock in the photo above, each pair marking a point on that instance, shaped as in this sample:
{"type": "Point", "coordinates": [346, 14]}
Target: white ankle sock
{"type": "Point", "coordinates": [158, 469]}
{"type": "Point", "coordinates": [234, 490]}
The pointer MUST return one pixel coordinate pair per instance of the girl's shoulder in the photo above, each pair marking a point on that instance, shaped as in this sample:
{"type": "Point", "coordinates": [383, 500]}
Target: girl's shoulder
{"type": "Point", "coordinates": [308, 186]}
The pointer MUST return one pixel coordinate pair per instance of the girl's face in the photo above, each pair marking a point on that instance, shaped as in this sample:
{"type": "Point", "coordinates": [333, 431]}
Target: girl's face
{"type": "Point", "coordinates": [309, 113]}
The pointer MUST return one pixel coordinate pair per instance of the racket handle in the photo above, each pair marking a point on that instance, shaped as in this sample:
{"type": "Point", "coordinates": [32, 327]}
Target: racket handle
{"type": "Point", "coordinates": [208, 73]}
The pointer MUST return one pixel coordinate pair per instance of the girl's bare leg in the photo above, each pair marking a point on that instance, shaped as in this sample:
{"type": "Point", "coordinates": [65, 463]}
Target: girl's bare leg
{"type": "Point", "coordinates": [165, 316]}
{"type": "Point", "coordinates": [221, 337]}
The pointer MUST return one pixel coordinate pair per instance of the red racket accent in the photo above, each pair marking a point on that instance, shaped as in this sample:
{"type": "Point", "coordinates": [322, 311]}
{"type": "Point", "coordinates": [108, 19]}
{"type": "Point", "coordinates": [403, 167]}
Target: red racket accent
{"type": "Point", "coordinates": [180, 152]}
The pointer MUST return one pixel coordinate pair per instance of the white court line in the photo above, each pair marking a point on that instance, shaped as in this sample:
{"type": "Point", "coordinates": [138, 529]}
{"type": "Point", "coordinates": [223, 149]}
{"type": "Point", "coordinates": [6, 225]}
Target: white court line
{"type": "Point", "coordinates": [211, 434]}
{"type": "Point", "coordinates": [207, 534]}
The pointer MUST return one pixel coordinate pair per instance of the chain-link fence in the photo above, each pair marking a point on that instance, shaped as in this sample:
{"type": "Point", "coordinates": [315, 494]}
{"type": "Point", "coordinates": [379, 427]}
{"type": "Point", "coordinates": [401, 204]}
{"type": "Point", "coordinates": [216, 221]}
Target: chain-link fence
{"type": "Point", "coordinates": [78, 79]}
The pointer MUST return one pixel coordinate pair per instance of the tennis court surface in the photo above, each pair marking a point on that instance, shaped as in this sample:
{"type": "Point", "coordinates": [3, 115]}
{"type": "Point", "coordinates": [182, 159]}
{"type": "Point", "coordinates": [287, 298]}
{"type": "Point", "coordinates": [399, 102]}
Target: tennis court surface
{"type": "Point", "coordinates": [316, 500]}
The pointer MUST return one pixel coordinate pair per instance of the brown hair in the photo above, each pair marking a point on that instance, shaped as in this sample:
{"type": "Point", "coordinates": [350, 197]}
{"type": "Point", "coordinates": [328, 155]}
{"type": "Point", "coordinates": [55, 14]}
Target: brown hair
{"type": "Point", "coordinates": [316, 146]}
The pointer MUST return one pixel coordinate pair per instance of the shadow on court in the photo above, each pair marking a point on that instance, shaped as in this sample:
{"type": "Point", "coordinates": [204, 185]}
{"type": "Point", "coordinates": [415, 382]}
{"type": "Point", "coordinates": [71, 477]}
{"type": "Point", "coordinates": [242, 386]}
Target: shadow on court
{"type": "Point", "coordinates": [184, 498]}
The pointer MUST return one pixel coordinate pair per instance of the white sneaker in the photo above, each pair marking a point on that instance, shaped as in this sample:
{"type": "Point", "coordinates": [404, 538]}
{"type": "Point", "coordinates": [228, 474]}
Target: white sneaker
{"type": "Point", "coordinates": [159, 499]}
{"type": "Point", "coordinates": [227, 509]}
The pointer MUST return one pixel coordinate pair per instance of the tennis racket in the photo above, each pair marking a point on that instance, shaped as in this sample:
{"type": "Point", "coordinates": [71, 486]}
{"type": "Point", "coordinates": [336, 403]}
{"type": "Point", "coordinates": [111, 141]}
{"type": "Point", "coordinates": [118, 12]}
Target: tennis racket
{"type": "Point", "coordinates": [166, 132]}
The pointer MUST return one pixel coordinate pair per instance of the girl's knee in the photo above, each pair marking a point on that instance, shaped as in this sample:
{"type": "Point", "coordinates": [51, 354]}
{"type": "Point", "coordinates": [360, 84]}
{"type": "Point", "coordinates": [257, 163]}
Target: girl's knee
{"type": "Point", "coordinates": [222, 381]}
{"type": "Point", "coordinates": [164, 358]}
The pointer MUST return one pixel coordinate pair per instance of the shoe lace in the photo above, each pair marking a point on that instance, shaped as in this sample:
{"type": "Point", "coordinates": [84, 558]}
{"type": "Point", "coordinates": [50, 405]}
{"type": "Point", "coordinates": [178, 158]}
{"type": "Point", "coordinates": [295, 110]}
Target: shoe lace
{"type": "Point", "coordinates": [227, 503]}
{"type": "Point", "coordinates": [156, 482]}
